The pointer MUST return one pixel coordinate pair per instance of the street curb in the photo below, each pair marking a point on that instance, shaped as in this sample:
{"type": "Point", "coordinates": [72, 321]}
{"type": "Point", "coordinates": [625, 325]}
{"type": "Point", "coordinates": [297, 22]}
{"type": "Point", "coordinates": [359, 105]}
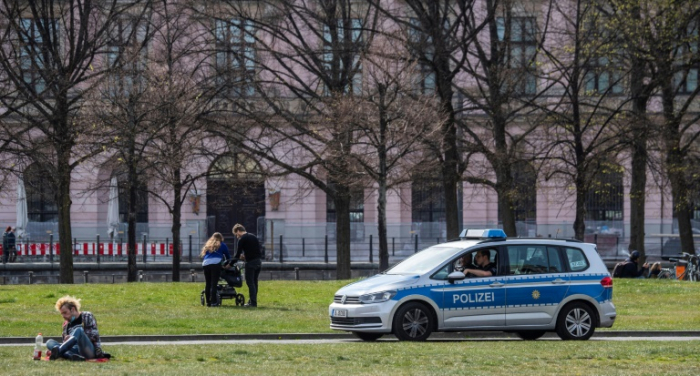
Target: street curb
{"type": "Point", "coordinates": [312, 336]}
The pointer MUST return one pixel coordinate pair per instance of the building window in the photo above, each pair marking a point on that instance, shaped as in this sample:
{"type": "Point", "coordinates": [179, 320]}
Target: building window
{"type": "Point", "coordinates": [41, 196]}
{"type": "Point", "coordinates": [125, 56]}
{"type": "Point", "coordinates": [141, 200]}
{"type": "Point", "coordinates": [520, 36]}
{"type": "Point", "coordinates": [604, 201]}
{"type": "Point", "coordinates": [601, 78]}
{"type": "Point", "coordinates": [601, 74]}
{"type": "Point", "coordinates": [35, 49]}
{"type": "Point", "coordinates": [686, 76]}
{"type": "Point", "coordinates": [428, 207]}
{"type": "Point", "coordinates": [422, 48]}
{"type": "Point", "coordinates": [235, 57]}
{"type": "Point", "coordinates": [336, 49]}
{"type": "Point", "coordinates": [357, 214]}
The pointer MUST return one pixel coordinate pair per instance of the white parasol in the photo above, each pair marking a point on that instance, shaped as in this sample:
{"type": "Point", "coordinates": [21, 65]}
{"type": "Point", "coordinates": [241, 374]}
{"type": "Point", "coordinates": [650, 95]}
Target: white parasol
{"type": "Point", "coordinates": [113, 208]}
{"type": "Point", "coordinates": [22, 212]}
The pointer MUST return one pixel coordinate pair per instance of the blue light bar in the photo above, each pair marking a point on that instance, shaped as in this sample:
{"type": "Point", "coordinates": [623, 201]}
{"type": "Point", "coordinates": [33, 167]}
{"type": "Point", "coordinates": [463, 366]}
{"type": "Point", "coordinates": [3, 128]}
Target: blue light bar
{"type": "Point", "coordinates": [492, 233]}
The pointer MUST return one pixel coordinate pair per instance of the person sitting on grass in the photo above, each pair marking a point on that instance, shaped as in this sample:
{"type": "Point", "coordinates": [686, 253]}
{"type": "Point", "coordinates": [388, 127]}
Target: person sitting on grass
{"type": "Point", "coordinates": [81, 340]}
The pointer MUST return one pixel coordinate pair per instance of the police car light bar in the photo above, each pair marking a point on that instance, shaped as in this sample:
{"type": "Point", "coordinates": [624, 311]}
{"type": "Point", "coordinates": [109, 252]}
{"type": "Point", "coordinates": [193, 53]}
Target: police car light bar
{"type": "Point", "coordinates": [494, 233]}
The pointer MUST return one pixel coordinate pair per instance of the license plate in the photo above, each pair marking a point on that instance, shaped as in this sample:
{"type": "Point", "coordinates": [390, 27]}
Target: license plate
{"type": "Point", "coordinates": [339, 313]}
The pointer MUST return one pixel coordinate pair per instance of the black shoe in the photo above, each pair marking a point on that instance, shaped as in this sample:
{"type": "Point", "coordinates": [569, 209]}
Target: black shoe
{"type": "Point", "coordinates": [215, 305]}
{"type": "Point", "coordinates": [77, 358]}
{"type": "Point", "coordinates": [54, 353]}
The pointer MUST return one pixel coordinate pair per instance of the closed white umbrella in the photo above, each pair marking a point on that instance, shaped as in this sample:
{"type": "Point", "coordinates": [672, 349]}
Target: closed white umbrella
{"type": "Point", "coordinates": [113, 208]}
{"type": "Point", "coordinates": [22, 212]}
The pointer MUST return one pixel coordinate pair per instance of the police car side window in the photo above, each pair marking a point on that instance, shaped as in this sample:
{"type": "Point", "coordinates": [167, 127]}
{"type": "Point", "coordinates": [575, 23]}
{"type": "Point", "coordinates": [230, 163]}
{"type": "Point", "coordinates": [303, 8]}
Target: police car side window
{"type": "Point", "coordinates": [576, 259]}
{"type": "Point", "coordinates": [533, 259]}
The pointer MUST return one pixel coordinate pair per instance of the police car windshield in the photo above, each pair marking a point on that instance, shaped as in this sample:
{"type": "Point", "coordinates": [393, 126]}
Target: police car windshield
{"type": "Point", "coordinates": [425, 260]}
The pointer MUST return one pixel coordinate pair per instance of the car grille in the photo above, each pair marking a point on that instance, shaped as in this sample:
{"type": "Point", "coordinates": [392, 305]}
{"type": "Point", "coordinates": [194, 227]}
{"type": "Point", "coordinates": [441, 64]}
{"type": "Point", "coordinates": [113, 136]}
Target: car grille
{"type": "Point", "coordinates": [352, 321]}
{"type": "Point", "coordinates": [348, 299]}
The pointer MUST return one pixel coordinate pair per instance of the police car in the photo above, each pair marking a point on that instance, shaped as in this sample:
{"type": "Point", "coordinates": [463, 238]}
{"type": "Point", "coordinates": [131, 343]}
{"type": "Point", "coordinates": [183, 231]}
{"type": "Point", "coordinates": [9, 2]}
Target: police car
{"type": "Point", "coordinates": [483, 281]}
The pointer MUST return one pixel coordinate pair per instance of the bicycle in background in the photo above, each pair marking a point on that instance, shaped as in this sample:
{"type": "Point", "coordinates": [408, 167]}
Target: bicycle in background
{"type": "Point", "coordinates": [686, 269]}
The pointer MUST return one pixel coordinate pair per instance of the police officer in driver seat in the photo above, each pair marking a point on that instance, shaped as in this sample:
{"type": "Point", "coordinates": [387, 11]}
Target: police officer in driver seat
{"type": "Point", "coordinates": [484, 266]}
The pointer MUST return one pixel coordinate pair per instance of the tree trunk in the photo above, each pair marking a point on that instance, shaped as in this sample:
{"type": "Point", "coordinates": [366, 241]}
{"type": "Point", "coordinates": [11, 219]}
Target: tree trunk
{"type": "Point", "coordinates": [450, 174]}
{"type": "Point", "coordinates": [640, 156]}
{"type": "Point", "coordinates": [131, 247]}
{"type": "Point", "coordinates": [381, 225]}
{"type": "Point", "coordinates": [177, 214]}
{"type": "Point", "coordinates": [63, 199]}
{"type": "Point", "coordinates": [504, 190]}
{"type": "Point", "coordinates": [579, 222]}
{"type": "Point", "coordinates": [638, 183]}
{"type": "Point", "coordinates": [342, 228]}
{"type": "Point", "coordinates": [674, 165]}
{"type": "Point", "coordinates": [679, 190]}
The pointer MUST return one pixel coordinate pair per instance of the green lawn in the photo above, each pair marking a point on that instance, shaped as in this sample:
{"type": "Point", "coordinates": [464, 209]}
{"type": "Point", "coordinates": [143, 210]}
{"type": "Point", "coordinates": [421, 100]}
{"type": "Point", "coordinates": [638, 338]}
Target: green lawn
{"type": "Point", "coordinates": [301, 306]}
{"type": "Point", "coordinates": [285, 307]}
{"type": "Point", "coordinates": [380, 358]}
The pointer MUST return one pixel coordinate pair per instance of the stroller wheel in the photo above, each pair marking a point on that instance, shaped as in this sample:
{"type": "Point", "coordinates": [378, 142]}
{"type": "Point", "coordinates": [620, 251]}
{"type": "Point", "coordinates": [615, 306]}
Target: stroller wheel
{"type": "Point", "coordinates": [201, 298]}
{"type": "Point", "coordinates": [240, 299]}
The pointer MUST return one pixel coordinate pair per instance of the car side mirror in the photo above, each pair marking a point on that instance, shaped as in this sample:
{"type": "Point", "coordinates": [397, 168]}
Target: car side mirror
{"type": "Point", "coordinates": [455, 276]}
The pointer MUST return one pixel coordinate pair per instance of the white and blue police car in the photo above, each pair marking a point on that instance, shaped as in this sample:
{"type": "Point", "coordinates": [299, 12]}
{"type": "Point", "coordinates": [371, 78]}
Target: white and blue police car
{"type": "Point", "coordinates": [483, 281]}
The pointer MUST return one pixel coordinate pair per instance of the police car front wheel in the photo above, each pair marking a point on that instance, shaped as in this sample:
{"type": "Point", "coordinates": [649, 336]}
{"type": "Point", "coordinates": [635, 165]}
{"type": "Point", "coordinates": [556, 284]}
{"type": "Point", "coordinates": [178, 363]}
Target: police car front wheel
{"type": "Point", "coordinates": [576, 322]}
{"type": "Point", "coordinates": [413, 322]}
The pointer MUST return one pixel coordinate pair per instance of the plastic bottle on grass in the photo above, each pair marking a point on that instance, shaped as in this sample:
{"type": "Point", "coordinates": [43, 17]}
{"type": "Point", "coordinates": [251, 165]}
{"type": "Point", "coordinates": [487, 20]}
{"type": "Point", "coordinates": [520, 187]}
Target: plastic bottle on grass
{"type": "Point", "coordinates": [37, 347]}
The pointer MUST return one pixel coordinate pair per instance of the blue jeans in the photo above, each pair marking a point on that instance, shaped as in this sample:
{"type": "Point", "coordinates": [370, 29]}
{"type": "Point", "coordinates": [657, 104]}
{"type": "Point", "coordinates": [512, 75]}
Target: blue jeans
{"type": "Point", "coordinates": [252, 271]}
{"type": "Point", "coordinates": [77, 343]}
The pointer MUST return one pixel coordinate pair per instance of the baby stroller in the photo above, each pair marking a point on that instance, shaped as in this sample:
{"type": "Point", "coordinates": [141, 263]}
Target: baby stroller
{"type": "Point", "coordinates": [228, 282]}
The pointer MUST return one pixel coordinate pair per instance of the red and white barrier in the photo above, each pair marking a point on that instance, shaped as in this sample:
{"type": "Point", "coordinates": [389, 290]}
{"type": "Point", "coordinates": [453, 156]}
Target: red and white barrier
{"type": "Point", "coordinates": [92, 249]}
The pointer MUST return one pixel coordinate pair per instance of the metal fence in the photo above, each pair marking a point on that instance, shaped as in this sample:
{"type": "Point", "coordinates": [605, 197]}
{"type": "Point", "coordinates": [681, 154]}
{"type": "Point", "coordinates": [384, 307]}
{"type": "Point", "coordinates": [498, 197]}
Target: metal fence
{"type": "Point", "coordinates": [316, 242]}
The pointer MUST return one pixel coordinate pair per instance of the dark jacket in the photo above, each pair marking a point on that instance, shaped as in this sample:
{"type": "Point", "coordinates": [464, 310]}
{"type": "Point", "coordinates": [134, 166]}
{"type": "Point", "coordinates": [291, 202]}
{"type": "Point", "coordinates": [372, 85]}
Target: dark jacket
{"type": "Point", "coordinates": [631, 269]}
{"type": "Point", "coordinates": [248, 245]}
{"type": "Point", "coordinates": [87, 321]}
{"type": "Point", "coordinates": [8, 241]}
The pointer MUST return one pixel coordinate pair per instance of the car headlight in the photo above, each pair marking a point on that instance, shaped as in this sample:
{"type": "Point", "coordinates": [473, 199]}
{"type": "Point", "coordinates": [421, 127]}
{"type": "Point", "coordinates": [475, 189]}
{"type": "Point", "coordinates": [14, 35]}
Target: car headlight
{"type": "Point", "coordinates": [377, 297]}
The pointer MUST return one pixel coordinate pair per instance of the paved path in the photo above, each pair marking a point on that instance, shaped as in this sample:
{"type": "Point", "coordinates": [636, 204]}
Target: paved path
{"type": "Point", "coordinates": [324, 338]}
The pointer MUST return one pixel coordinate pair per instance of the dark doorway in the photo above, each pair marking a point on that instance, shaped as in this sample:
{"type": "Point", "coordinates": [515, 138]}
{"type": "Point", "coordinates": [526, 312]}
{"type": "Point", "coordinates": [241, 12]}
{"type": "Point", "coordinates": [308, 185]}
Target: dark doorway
{"type": "Point", "coordinates": [235, 194]}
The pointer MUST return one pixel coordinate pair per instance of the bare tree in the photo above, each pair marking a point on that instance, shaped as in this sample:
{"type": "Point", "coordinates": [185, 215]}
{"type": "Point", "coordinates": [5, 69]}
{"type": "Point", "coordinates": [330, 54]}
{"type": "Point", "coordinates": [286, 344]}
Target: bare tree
{"type": "Point", "coordinates": [394, 125]}
{"type": "Point", "coordinates": [178, 155]}
{"type": "Point", "coordinates": [439, 34]}
{"type": "Point", "coordinates": [584, 122]}
{"type": "Point", "coordinates": [664, 37]}
{"type": "Point", "coordinates": [47, 55]}
{"type": "Point", "coordinates": [291, 62]}
{"type": "Point", "coordinates": [124, 110]}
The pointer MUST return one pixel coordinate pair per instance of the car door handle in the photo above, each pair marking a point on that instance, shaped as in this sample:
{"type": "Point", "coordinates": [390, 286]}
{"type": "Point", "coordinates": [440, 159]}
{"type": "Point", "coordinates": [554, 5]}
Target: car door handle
{"type": "Point", "coordinates": [558, 281]}
{"type": "Point", "coordinates": [497, 284]}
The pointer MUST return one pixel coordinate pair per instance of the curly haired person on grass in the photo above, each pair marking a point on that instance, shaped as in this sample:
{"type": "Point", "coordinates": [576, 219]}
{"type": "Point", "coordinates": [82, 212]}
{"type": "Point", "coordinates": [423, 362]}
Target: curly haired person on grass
{"type": "Point", "coordinates": [81, 340]}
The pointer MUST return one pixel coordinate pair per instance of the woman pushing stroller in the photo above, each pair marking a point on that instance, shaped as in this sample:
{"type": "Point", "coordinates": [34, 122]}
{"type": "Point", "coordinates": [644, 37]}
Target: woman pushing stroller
{"type": "Point", "coordinates": [214, 253]}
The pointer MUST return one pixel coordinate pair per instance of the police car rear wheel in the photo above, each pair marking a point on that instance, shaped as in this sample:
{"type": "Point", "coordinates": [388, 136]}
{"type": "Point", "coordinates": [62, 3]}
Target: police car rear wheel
{"type": "Point", "coordinates": [575, 322]}
{"type": "Point", "coordinates": [368, 336]}
{"type": "Point", "coordinates": [530, 335]}
{"type": "Point", "coordinates": [413, 322]}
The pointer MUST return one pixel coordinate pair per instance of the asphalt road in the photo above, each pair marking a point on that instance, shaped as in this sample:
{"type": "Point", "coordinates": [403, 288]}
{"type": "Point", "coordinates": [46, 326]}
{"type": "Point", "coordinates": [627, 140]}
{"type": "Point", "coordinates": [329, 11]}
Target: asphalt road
{"type": "Point", "coordinates": [325, 338]}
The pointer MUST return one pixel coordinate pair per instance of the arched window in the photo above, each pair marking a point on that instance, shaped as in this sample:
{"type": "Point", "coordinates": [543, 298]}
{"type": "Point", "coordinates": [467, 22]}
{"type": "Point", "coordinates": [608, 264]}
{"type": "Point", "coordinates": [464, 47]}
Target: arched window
{"type": "Point", "coordinates": [428, 206]}
{"type": "Point", "coordinates": [604, 201]}
{"type": "Point", "coordinates": [41, 197]}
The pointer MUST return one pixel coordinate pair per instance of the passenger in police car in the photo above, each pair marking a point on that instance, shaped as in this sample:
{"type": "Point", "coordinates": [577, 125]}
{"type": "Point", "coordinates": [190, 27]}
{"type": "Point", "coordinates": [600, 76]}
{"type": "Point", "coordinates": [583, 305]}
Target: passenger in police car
{"type": "Point", "coordinates": [465, 261]}
{"type": "Point", "coordinates": [484, 266]}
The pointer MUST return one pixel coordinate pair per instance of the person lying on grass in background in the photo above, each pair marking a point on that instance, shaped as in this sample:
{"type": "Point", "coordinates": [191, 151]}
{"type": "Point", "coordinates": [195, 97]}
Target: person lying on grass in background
{"type": "Point", "coordinates": [81, 340]}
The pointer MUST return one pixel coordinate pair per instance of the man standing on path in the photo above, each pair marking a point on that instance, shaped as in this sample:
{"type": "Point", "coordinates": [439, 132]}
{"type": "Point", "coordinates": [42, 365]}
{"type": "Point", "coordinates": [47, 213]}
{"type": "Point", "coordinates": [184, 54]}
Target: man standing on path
{"type": "Point", "coordinates": [249, 251]}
